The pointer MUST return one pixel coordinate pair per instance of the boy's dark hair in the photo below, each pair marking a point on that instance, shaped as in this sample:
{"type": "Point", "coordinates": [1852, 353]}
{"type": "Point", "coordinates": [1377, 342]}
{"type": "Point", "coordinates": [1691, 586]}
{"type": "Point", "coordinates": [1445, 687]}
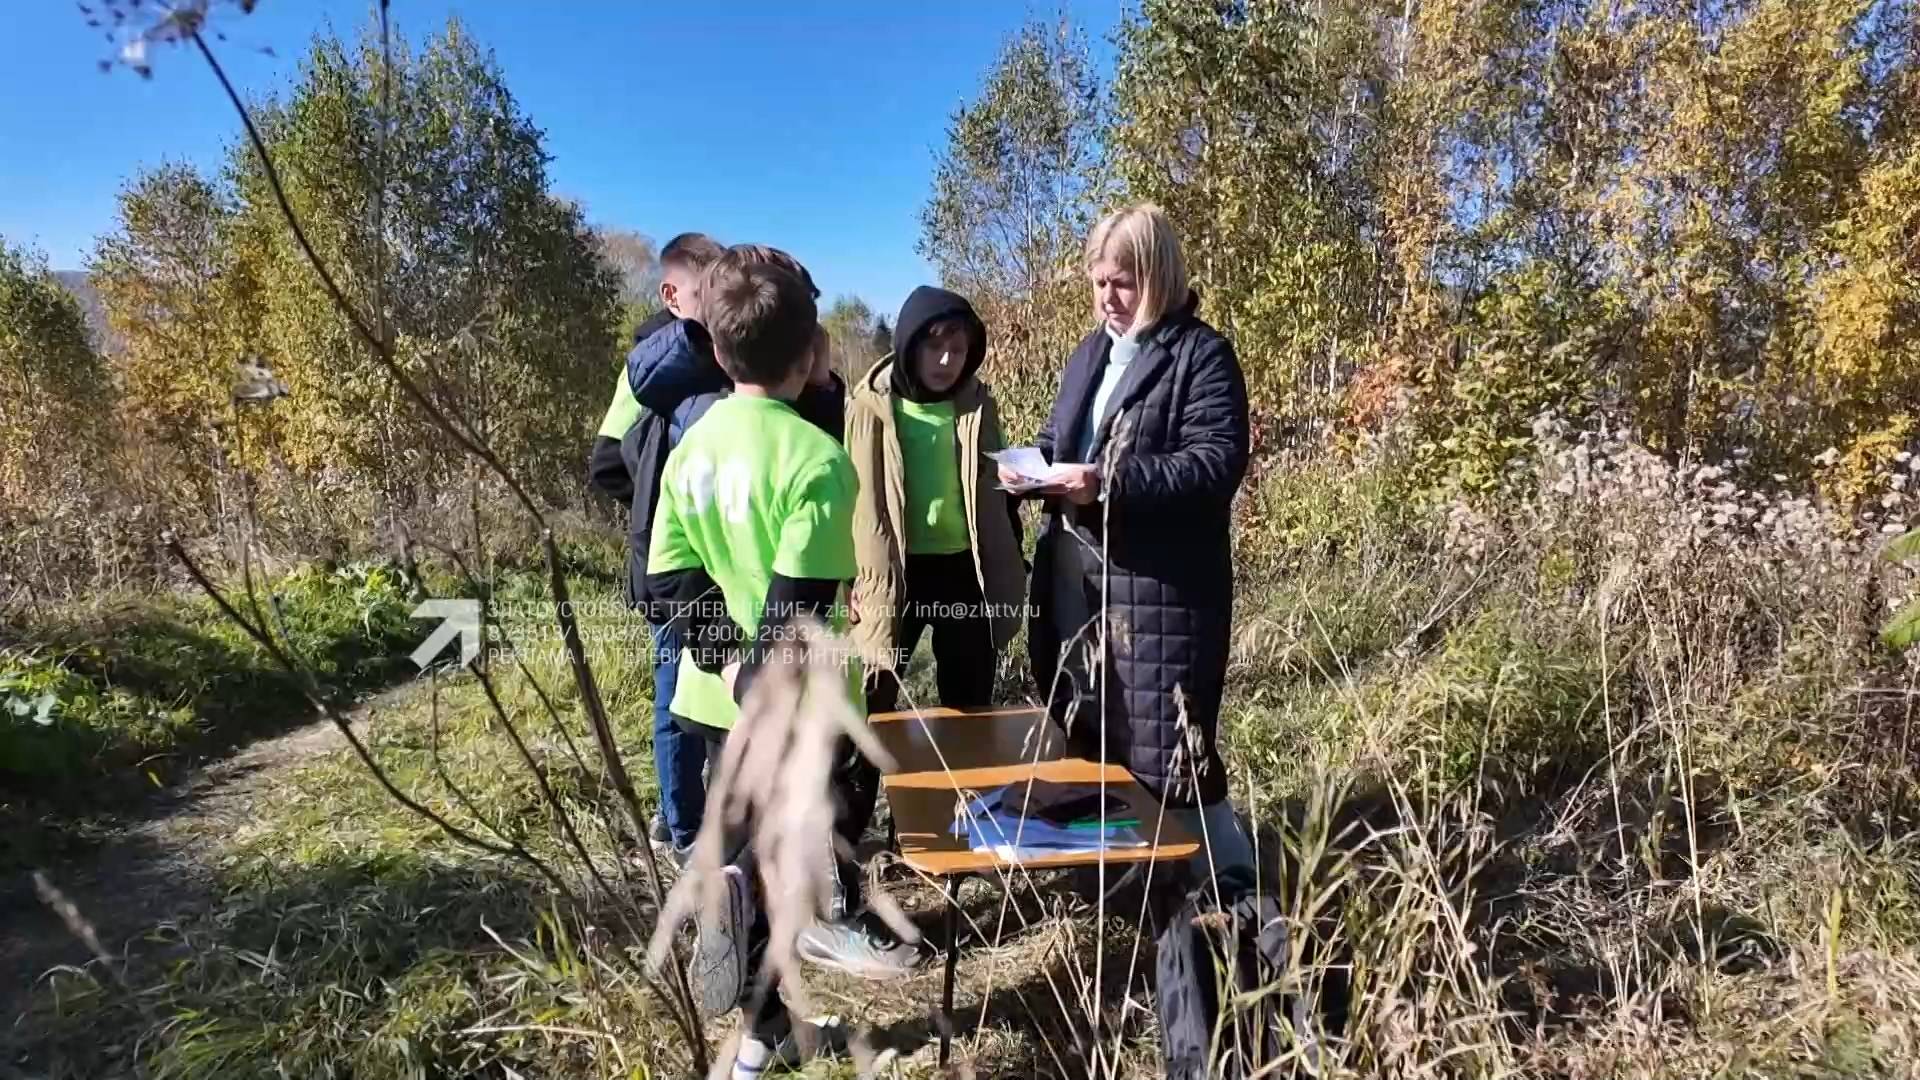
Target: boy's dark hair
{"type": "Point", "coordinates": [760, 314]}
{"type": "Point", "coordinates": [761, 253]}
{"type": "Point", "coordinates": [690, 251]}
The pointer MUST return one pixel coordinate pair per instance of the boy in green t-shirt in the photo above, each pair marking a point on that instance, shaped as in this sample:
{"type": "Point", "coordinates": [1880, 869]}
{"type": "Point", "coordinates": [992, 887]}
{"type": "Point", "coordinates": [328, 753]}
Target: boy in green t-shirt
{"type": "Point", "coordinates": [754, 529]}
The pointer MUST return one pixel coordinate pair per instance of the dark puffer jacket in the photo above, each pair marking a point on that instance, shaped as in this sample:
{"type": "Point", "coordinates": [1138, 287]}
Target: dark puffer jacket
{"type": "Point", "coordinates": [673, 374]}
{"type": "Point", "coordinates": [1175, 440]}
{"type": "Point", "coordinates": [607, 470]}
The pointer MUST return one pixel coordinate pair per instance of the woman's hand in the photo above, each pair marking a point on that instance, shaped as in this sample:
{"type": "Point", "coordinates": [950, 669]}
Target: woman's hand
{"type": "Point", "coordinates": [1009, 478]}
{"type": "Point", "coordinates": [1079, 484]}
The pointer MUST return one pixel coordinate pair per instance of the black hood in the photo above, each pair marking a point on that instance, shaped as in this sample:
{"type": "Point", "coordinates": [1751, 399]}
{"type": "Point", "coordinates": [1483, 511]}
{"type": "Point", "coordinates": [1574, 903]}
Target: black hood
{"type": "Point", "coordinates": [925, 307]}
{"type": "Point", "coordinates": [653, 322]}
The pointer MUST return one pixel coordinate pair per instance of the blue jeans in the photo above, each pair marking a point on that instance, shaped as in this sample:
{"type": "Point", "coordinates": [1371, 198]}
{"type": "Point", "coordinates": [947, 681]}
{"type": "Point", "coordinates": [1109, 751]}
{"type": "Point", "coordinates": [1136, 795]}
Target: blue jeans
{"type": "Point", "coordinates": [679, 759]}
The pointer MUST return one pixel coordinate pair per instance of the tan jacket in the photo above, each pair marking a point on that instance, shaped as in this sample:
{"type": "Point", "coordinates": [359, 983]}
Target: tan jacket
{"type": "Point", "coordinates": [879, 534]}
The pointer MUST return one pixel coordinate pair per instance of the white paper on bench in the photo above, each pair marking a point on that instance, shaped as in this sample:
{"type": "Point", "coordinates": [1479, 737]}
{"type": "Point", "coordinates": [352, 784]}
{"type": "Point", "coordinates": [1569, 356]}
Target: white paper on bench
{"type": "Point", "coordinates": [993, 829]}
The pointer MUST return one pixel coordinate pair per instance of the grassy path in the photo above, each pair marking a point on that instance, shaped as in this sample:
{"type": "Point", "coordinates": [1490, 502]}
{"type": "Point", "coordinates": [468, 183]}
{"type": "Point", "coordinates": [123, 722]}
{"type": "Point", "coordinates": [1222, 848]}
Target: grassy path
{"type": "Point", "coordinates": [159, 867]}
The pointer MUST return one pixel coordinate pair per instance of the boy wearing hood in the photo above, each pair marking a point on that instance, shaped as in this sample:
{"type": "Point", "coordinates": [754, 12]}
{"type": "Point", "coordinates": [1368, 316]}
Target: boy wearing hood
{"type": "Point", "coordinates": [937, 540]}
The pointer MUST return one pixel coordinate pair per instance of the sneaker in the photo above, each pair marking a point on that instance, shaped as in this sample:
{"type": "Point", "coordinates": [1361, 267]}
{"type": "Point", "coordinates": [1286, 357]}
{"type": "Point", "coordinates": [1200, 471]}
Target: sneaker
{"type": "Point", "coordinates": [756, 1058]}
{"type": "Point", "coordinates": [657, 830]}
{"type": "Point", "coordinates": [862, 946]}
{"type": "Point", "coordinates": [719, 968]}
{"type": "Point", "coordinates": [669, 856]}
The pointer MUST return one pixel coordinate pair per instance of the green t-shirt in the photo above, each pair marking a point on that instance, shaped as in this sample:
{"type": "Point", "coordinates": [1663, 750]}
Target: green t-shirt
{"type": "Point", "coordinates": [752, 491]}
{"type": "Point", "coordinates": [624, 412]}
{"type": "Point", "coordinates": [936, 510]}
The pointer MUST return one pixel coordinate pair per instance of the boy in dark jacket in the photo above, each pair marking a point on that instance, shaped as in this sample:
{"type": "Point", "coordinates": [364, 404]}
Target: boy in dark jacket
{"type": "Point", "coordinates": [675, 374]}
{"type": "Point", "coordinates": [682, 262]}
{"type": "Point", "coordinates": [628, 454]}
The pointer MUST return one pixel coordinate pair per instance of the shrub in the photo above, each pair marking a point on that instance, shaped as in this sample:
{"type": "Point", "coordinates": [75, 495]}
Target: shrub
{"type": "Point", "coordinates": [101, 693]}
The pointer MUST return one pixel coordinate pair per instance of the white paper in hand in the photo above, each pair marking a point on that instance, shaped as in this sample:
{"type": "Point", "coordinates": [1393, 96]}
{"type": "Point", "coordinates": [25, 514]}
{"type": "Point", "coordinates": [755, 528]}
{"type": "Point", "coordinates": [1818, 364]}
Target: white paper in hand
{"type": "Point", "coordinates": [1031, 465]}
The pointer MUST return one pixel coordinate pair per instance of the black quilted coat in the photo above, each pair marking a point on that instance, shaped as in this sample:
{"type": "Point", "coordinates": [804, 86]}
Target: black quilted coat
{"type": "Point", "coordinates": [1175, 444]}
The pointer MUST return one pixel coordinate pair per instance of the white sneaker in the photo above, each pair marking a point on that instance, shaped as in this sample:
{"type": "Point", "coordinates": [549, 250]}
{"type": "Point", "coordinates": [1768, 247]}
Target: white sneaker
{"type": "Point", "coordinates": [756, 1058]}
{"type": "Point", "coordinates": [862, 945]}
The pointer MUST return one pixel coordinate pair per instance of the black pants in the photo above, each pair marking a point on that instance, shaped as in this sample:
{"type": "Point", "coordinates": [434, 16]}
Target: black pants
{"type": "Point", "coordinates": [943, 595]}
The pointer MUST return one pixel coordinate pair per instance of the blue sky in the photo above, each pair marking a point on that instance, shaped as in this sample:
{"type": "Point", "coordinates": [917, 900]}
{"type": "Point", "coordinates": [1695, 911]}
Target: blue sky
{"type": "Point", "coordinates": [812, 126]}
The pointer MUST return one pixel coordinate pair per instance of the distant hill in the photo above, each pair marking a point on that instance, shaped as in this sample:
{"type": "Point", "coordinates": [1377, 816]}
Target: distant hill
{"type": "Point", "coordinates": [81, 286]}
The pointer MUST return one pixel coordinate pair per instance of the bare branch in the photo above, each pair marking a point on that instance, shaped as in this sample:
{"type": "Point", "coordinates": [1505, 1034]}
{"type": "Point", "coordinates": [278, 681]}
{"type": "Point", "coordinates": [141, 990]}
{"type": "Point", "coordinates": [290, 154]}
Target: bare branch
{"type": "Point", "coordinates": [310, 689]}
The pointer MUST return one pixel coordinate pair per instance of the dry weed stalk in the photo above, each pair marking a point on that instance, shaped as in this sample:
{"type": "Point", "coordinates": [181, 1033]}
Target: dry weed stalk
{"type": "Point", "coordinates": [187, 23]}
{"type": "Point", "coordinates": [769, 806]}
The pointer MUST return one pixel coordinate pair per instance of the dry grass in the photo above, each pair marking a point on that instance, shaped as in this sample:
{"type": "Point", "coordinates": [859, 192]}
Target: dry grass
{"type": "Point", "coordinates": [1595, 788]}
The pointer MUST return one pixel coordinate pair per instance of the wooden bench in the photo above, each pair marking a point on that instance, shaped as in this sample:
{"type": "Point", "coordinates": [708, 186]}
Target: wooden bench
{"type": "Point", "coordinates": [941, 753]}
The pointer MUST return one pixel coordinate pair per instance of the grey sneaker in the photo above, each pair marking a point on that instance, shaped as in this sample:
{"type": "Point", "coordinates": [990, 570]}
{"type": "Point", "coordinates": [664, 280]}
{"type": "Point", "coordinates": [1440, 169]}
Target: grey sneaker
{"type": "Point", "coordinates": [862, 946]}
{"type": "Point", "coordinates": [719, 968]}
{"type": "Point", "coordinates": [657, 830]}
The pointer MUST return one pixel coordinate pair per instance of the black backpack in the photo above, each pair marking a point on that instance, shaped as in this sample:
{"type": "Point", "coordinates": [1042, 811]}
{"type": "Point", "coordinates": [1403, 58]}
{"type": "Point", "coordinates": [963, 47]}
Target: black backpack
{"type": "Point", "coordinates": [1226, 935]}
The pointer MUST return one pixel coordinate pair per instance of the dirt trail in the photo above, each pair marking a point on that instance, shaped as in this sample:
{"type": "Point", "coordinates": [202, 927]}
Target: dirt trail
{"type": "Point", "coordinates": [160, 867]}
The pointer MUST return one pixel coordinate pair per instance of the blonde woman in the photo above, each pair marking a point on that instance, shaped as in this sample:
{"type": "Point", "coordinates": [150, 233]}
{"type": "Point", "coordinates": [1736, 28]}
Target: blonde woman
{"type": "Point", "coordinates": [1151, 422]}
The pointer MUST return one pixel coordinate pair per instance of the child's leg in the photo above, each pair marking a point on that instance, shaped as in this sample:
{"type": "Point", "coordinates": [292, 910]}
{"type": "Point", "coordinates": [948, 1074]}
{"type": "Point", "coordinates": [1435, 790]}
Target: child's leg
{"type": "Point", "coordinates": [766, 1042]}
{"type": "Point", "coordinates": [963, 653]}
{"type": "Point", "coordinates": [744, 942]}
{"type": "Point", "coordinates": [768, 1019]}
{"type": "Point", "coordinates": [849, 937]}
{"type": "Point", "coordinates": [855, 786]}
{"type": "Point", "coordinates": [732, 944]}
{"type": "Point", "coordinates": [765, 1014]}
{"type": "Point", "coordinates": [730, 957]}
{"type": "Point", "coordinates": [721, 953]}
{"type": "Point", "coordinates": [963, 650]}
{"type": "Point", "coordinates": [678, 758]}
{"type": "Point", "coordinates": [856, 781]}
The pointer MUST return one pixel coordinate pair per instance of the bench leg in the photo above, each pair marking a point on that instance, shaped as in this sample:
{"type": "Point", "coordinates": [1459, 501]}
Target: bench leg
{"type": "Point", "coordinates": [953, 960]}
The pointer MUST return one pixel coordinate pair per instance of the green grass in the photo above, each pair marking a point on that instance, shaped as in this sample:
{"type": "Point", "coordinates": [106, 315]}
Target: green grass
{"type": "Point", "coordinates": [102, 705]}
{"type": "Point", "coordinates": [91, 694]}
{"type": "Point", "coordinates": [363, 964]}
